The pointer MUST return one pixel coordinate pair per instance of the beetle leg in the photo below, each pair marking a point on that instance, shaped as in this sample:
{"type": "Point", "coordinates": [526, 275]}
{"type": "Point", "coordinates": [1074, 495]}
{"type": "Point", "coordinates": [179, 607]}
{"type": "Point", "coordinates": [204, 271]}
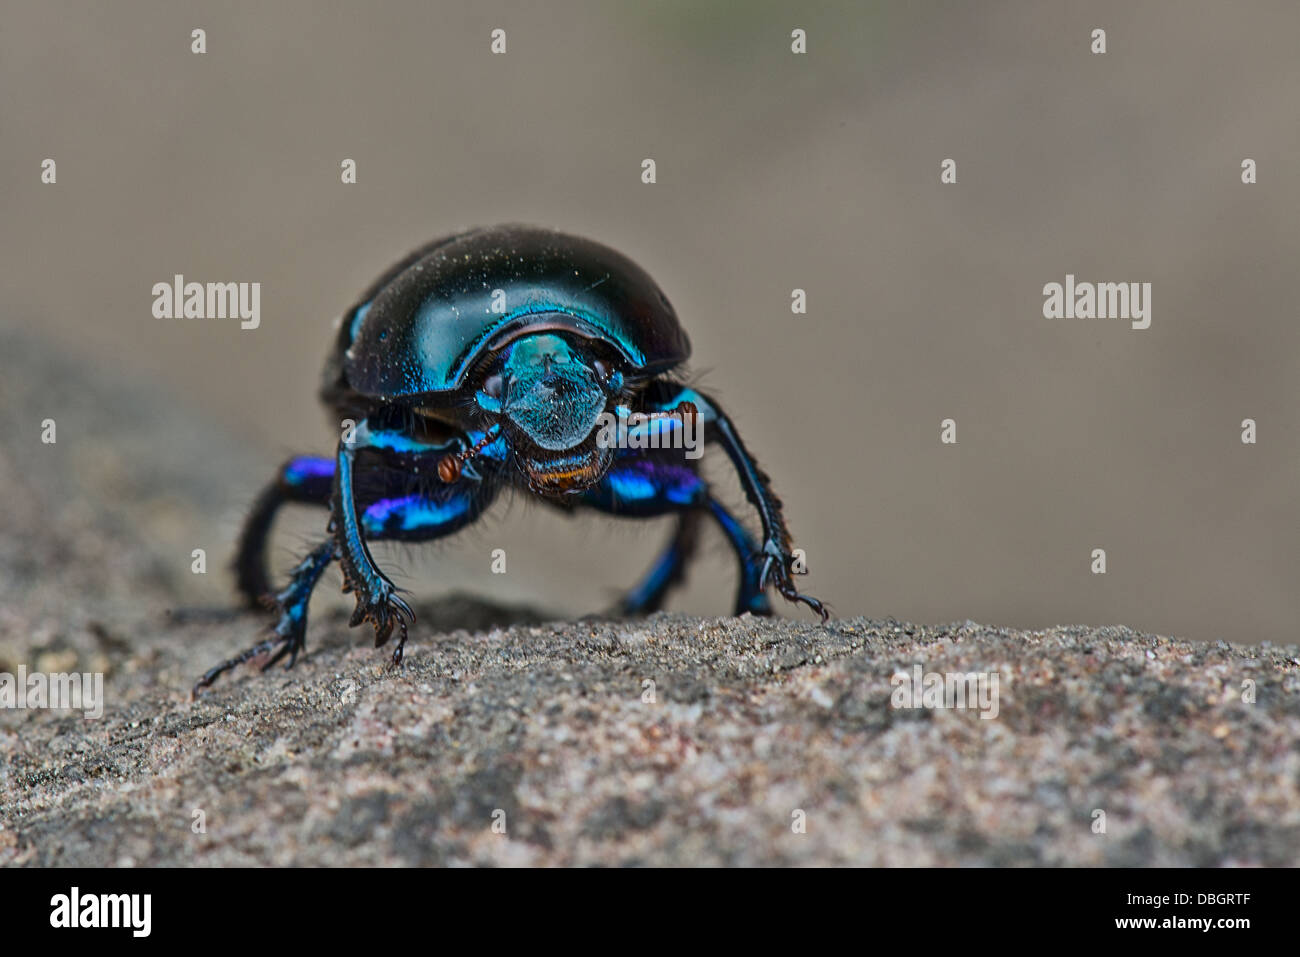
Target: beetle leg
{"type": "Point", "coordinates": [305, 479]}
{"type": "Point", "coordinates": [377, 598]}
{"type": "Point", "coordinates": [668, 570]}
{"type": "Point", "coordinates": [290, 633]}
{"type": "Point", "coordinates": [432, 513]}
{"type": "Point", "coordinates": [646, 486]}
{"type": "Point", "coordinates": [419, 506]}
{"type": "Point", "coordinates": [751, 595]}
{"type": "Point", "coordinates": [437, 510]}
{"type": "Point", "coordinates": [775, 557]}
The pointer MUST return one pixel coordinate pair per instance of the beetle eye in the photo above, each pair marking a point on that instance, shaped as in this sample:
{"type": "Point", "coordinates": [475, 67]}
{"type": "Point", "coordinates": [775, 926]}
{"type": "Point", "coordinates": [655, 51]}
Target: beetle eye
{"type": "Point", "coordinates": [612, 378]}
{"type": "Point", "coordinates": [492, 386]}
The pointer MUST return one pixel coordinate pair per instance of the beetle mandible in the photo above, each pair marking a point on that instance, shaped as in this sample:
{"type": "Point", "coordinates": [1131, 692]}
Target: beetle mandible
{"type": "Point", "coordinates": [457, 394]}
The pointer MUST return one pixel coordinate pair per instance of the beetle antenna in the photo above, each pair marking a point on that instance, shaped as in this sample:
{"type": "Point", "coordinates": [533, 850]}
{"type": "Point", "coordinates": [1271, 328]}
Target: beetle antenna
{"type": "Point", "coordinates": [449, 466]}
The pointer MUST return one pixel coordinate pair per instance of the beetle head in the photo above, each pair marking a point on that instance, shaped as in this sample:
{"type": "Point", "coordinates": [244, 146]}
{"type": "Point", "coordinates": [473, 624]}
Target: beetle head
{"type": "Point", "coordinates": [548, 396]}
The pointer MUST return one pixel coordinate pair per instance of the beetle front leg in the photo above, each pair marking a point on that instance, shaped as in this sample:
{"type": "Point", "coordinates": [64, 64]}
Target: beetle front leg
{"type": "Point", "coordinates": [776, 554]}
{"type": "Point", "coordinates": [377, 598]}
{"type": "Point", "coordinates": [434, 510]}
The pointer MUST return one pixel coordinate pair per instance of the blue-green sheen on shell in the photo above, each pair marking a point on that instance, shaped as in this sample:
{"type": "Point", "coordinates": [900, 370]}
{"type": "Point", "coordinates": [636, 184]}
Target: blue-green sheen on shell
{"type": "Point", "coordinates": [422, 326]}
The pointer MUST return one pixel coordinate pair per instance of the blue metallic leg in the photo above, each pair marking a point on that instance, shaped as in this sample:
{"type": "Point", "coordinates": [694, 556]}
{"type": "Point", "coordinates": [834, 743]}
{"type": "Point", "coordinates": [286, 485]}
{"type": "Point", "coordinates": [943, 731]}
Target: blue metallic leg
{"type": "Point", "coordinates": [290, 633]}
{"type": "Point", "coordinates": [777, 551]}
{"type": "Point", "coordinates": [419, 516]}
{"type": "Point", "coordinates": [396, 507]}
{"type": "Point", "coordinates": [429, 509]}
{"type": "Point", "coordinates": [750, 594]}
{"type": "Point", "coordinates": [377, 600]}
{"type": "Point", "coordinates": [646, 486]}
{"type": "Point", "coordinates": [305, 479]}
{"type": "Point", "coordinates": [668, 570]}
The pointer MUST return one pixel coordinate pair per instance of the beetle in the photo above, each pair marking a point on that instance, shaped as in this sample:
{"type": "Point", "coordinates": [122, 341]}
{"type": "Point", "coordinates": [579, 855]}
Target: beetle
{"type": "Point", "coordinates": [492, 359]}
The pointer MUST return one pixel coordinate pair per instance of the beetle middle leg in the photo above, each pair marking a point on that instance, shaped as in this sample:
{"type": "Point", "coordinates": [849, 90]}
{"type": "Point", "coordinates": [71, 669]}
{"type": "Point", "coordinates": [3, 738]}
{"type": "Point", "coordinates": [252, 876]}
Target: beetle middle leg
{"type": "Point", "coordinates": [648, 486]}
{"type": "Point", "coordinates": [669, 569]}
{"type": "Point", "coordinates": [751, 596]}
{"type": "Point", "coordinates": [305, 479]}
{"type": "Point", "coordinates": [290, 632]}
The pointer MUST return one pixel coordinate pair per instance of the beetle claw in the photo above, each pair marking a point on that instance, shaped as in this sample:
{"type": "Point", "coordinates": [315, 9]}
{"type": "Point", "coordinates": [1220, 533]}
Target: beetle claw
{"type": "Point", "coordinates": [289, 638]}
{"type": "Point", "coordinates": [400, 650]}
{"type": "Point", "coordinates": [776, 572]}
{"type": "Point", "coordinates": [793, 596]}
{"type": "Point", "coordinates": [385, 612]}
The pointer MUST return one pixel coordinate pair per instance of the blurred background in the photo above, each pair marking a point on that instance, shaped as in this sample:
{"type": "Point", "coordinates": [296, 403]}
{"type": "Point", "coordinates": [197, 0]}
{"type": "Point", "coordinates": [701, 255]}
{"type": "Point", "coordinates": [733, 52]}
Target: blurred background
{"type": "Point", "coordinates": [775, 171]}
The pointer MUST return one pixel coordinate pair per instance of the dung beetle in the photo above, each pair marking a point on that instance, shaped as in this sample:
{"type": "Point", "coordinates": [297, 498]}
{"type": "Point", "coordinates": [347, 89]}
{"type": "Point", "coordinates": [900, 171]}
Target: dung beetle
{"type": "Point", "coordinates": [499, 357]}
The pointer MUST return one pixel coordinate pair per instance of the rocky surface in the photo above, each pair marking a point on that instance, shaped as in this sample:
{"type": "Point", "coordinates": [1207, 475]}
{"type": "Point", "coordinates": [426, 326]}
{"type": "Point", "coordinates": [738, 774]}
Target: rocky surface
{"type": "Point", "coordinates": [507, 738]}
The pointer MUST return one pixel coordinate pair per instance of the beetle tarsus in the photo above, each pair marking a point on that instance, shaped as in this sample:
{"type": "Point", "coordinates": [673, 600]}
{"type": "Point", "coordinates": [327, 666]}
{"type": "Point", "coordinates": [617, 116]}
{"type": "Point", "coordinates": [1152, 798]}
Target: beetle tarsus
{"type": "Point", "coordinates": [776, 572]}
{"type": "Point", "coordinates": [386, 611]}
{"type": "Point", "coordinates": [287, 645]}
{"type": "Point", "coordinates": [400, 650]}
{"type": "Point", "coordinates": [290, 632]}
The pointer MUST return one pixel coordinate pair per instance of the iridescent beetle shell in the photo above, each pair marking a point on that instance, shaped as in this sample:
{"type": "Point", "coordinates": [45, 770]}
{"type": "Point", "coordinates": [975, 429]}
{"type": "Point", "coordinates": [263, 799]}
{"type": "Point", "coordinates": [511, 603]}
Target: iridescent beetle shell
{"type": "Point", "coordinates": [421, 327]}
